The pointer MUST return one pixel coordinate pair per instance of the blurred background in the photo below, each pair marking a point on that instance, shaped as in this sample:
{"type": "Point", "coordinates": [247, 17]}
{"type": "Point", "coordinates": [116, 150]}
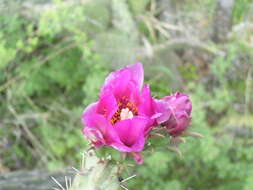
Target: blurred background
{"type": "Point", "coordinates": [55, 55]}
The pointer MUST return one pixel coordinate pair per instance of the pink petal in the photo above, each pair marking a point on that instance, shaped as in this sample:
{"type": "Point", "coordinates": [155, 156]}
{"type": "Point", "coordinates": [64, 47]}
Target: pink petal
{"type": "Point", "coordinates": [94, 136]}
{"type": "Point", "coordinates": [137, 74]}
{"type": "Point", "coordinates": [180, 106]}
{"type": "Point", "coordinates": [179, 101]}
{"type": "Point", "coordinates": [95, 121]}
{"type": "Point", "coordinates": [131, 132]}
{"type": "Point", "coordinates": [125, 92]}
{"type": "Point", "coordinates": [139, 144]}
{"type": "Point", "coordinates": [146, 108]}
{"type": "Point", "coordinates": [147, 103]}
{"type": "Point", "coordinates": [121, 147]}
{"type": "Point", "coordinates": [107, 105]}
{"type": "Point", "coordinates": [180, 124]}
{"type": "Point", "coordinates": [100, 128]}
{"type": "Point", "coordinates": [137, 147]}
{"type": "Point", "coordinates": [118, 82]}
{"type": "Point", "coordinates": [132, 94]}
{"type": "Point", "coordinates": [89, 110]}
{"type": "Point", "coordinates": [162, 108]}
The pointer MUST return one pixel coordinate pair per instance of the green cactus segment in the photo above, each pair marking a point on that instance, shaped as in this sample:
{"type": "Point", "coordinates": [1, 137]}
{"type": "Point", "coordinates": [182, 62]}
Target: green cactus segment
{"type": "Point", "coordinates": [96, 174]}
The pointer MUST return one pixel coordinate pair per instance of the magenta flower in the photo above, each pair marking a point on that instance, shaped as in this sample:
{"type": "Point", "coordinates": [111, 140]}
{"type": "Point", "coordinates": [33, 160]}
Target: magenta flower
{"type": "Point", "coordinates": [174, 112]}
{"type": "Point", "coordinates": [122, 117]}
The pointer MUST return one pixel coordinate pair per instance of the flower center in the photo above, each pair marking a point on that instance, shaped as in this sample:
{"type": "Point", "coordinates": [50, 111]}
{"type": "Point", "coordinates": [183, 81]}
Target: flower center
{"type": "Point", "coordinates": [126, 110]}
{"type": "Point", "coordinates": [126, 114]}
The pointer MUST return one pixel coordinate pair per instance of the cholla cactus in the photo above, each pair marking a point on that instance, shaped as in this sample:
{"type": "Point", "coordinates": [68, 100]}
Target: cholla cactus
{"type": "Point", "coordinates": [96, 174]}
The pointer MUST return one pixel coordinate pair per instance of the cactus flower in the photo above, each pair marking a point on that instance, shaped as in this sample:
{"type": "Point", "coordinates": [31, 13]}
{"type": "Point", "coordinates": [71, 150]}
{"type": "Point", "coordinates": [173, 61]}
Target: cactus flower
{"type": "Point", "coordinates": [122, 117]}
{"type": "Point", "coordinates": [175, 113]}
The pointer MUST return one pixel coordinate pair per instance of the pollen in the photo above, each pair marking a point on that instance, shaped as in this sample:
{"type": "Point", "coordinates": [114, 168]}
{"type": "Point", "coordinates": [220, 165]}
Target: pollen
{"type": "Point", "coordinates": [126, 110]}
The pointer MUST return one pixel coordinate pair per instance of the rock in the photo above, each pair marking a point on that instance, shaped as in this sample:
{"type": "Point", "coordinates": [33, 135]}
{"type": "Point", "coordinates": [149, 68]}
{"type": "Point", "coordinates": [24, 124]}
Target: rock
{"type": "Point", "coordinates": [31, 180]}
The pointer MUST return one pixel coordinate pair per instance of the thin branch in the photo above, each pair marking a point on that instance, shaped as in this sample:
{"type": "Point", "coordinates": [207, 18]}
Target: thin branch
{"type": "Point", "coordinates": [184, 42]}
{"type": "Point", "coordinates": [180, 43]}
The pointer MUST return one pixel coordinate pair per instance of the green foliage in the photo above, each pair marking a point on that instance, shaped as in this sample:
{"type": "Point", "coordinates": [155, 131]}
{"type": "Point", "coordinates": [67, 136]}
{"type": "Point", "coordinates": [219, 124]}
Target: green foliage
{"type": "Point", "coordinates": [241, 9]}
{"type": "Point", "coordinates": [138, 7]}
{"type": "Point", "coordinates": [52, 74]}
{"type": "Point", "coordinates": [6, 54]}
